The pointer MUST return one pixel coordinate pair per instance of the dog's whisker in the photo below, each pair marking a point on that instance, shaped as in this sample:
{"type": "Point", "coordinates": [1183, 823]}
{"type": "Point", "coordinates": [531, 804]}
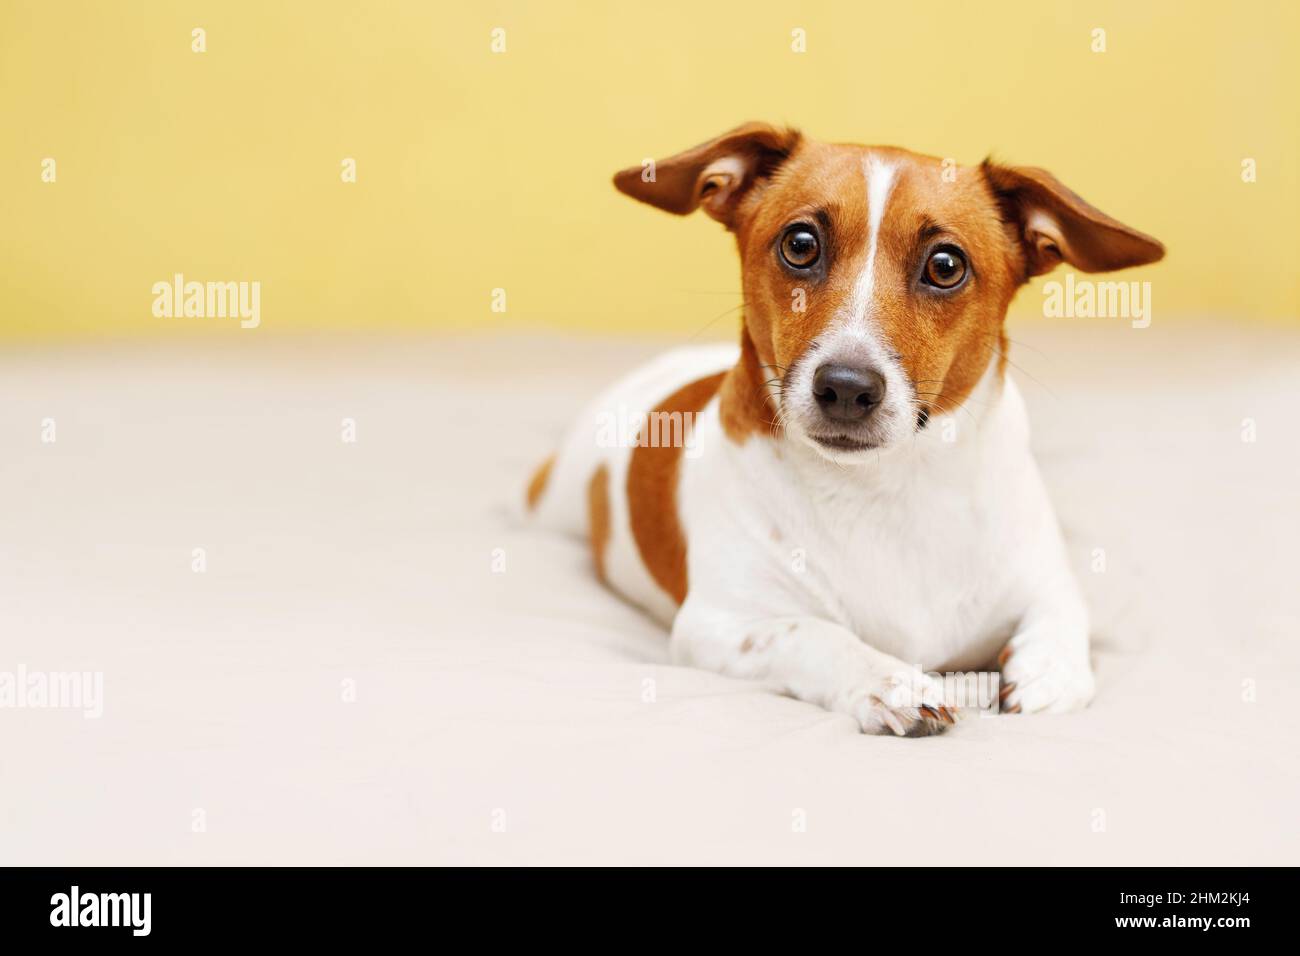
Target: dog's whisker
{"type": "Point", "coordinates": [704, 328]}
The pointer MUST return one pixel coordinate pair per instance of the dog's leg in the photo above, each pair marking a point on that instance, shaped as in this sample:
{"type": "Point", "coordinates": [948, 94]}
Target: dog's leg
{"type": "Point", "coordinates": [1045, 665]}
{"type": "Point", "coordinates": [819, 662]}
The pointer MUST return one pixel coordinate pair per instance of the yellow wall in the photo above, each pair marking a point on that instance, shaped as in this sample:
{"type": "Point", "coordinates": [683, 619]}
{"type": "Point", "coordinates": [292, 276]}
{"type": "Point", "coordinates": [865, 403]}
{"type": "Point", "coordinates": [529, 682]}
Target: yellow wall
{"type": "Point", "coordinates": [479, 170]}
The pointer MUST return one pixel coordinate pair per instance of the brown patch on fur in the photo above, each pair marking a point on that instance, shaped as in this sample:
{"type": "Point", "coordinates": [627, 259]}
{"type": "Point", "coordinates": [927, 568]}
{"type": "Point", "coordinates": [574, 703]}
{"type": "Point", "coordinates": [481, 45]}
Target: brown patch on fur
{"type": "Point", "coordinates": [537, 484]}
{"type": "Point", "coordinates": [744, 402]}
{"type": "Point", "coordinates": [598, 517]}
{"type": "Point", "coordinates": [652, 492]}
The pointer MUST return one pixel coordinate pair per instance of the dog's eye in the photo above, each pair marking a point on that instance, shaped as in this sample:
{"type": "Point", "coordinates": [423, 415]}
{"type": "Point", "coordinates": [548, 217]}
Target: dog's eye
{"type": "Point", "coordinates": [945, 268]}
{"type": "Point", "coordinates": [799, 247]}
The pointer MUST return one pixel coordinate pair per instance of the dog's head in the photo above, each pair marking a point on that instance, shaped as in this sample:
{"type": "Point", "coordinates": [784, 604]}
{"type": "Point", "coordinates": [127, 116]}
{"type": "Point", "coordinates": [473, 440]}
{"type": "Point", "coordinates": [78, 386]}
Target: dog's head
{"type": "Point", "coordinates": [876, 280]}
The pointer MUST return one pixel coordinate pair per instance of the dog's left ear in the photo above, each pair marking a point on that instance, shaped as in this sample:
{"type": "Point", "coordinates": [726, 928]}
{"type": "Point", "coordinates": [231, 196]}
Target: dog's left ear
{"type": "Point", "coordinates": [1057, 226]}
{"type": "Point", "coordinates": [713, 175]}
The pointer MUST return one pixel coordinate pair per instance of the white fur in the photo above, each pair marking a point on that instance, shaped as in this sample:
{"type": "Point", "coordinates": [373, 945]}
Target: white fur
{"type": "Point", "coordinates": [842, 584]}
{"type": "Point", "coordinates": [879, 180]}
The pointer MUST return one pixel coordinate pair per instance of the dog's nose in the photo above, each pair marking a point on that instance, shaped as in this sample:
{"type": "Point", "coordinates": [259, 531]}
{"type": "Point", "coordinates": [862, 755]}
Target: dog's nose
{"type": "Point", "coordinates": [847, 394]}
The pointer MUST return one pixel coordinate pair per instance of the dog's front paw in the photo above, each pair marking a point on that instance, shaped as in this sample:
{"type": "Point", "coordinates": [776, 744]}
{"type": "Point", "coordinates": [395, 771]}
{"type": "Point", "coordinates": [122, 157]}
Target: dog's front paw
{"type": "Point", "coordinates": [904, 702]}
{"type": "Point", "coordinates": [1042, 673]}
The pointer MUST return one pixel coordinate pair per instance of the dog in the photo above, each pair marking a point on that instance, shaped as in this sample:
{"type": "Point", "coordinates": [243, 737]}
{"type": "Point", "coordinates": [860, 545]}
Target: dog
{"type": "Point", "coordinates": [847, 502]}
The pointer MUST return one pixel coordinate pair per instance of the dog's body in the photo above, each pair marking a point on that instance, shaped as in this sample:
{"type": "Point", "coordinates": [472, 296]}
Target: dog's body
{"type": "Point", "coordinates": [848, 500]}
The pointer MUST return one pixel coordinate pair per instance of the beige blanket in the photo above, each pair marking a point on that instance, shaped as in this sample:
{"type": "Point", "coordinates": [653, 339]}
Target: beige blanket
{"type": "Point", "coordinates": [377, 664]}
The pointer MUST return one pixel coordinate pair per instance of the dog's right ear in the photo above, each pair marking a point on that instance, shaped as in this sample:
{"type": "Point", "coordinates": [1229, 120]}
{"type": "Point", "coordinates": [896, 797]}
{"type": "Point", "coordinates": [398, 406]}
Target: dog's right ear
{"type": "Point", "coordinates": [714, 174]}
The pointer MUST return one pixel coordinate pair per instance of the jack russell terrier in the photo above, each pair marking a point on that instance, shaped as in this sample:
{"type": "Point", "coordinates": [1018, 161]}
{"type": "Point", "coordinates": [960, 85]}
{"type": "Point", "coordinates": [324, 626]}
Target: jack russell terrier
{"type": "Point", "coordinates": [852, 502]}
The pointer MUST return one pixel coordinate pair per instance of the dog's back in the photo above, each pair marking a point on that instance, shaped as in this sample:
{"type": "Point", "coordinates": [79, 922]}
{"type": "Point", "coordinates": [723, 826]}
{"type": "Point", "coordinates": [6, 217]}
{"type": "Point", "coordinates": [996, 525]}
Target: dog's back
{"type": "Point", "coordinates": [591, 487]}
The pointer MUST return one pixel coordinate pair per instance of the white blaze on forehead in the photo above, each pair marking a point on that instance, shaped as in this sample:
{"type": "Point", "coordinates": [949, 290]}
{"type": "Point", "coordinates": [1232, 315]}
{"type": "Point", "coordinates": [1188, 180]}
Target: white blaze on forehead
{"type": "Point", "coordinates": [879, 176]}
